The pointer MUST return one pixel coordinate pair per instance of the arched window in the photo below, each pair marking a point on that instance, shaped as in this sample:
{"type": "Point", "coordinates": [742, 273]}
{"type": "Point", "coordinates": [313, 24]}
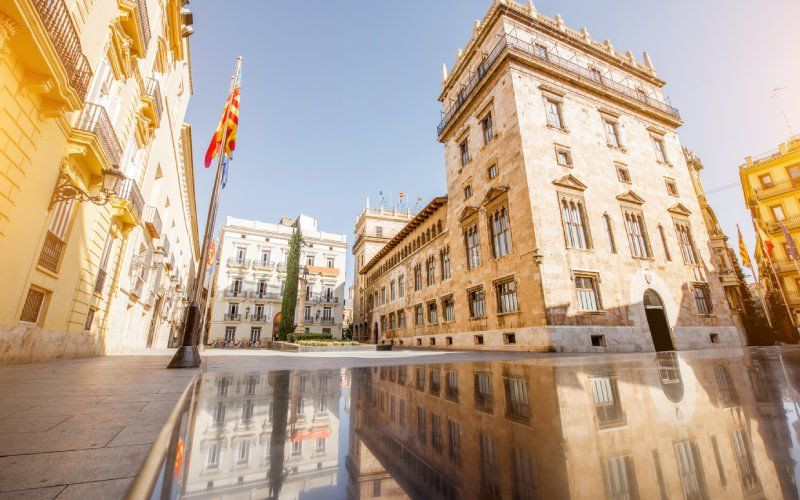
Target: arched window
{"type": "Point", "coordinates": [501, 233]}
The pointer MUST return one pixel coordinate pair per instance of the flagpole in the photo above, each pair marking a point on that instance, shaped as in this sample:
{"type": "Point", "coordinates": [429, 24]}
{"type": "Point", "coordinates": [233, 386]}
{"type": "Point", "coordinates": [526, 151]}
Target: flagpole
{"type": "Point", "coordinates": [765, 252]}
{"type": "Point", "coordinates": [188, 355]}
{"type": "Point", "coordinates": [759, 286]}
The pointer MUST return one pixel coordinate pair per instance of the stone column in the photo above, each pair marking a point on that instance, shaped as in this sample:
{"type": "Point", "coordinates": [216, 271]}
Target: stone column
{"type": "Point", "coordinates": [301, 305]}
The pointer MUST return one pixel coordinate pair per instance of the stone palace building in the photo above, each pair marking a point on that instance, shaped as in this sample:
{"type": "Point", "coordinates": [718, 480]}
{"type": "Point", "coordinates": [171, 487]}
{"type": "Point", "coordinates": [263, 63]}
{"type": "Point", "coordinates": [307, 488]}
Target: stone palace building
{"type": "Point", "coordinates": [251, 276]}
{"type": "Point", "coordinates": [570, 220]}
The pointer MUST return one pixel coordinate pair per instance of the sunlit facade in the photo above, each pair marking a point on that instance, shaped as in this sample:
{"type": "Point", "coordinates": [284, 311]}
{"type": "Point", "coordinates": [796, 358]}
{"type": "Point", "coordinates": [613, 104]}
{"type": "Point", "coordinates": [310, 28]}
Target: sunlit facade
{"type": "Point", "coordinates": [97, 212]}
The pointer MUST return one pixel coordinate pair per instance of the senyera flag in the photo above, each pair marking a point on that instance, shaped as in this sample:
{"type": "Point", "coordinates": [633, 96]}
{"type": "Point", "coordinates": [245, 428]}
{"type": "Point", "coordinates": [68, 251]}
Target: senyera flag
{"type": "Point", "coordinates": [230, 123]}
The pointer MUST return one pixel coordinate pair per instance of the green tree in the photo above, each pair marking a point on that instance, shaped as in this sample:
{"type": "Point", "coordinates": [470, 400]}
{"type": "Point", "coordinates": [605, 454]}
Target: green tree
{"type": "Point", "coordinates": [290, 290]}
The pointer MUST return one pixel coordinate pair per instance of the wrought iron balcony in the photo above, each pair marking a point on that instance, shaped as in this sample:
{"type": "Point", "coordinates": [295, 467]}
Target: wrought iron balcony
{"type": "Point", "coordinates": [138, 286]}
{"type": "Point", "coordinates": [58, 24]}
{"type": "Point", "coordinates": [327, 321]}
{"type": "Point", "coordinates": [792, 222]}
{"type": "Point", "coordinates": [51, 252]}
{"type": "Point", "coordinates": [484, 402]}
{"type": "Point", "coordinates": [235, 261]}
{"type": "Point", "coordinates": [233, 317]}
{"type": "Point", "coordinates": [266, 295]}
{"type": "Point", "coordinates": [141, 11]}
{"type": "Point", "coordinates": [322, 298]}
{"type": "Point", "coordinates": [152, 221]}
{"type": "Point", "coordinates": [235, 292]}
{"type": "Point", "coordinates": [257, 264]}
{"type": "Point", "coordinates": [153, 92]}
{"type": "Point", "coordinates": [551, 60]}
{"type": "Point", "coordinates": [262, 318]}
{"type": "Point", "coordinates": [129, 191]}
{"type": "Point", "coordinates": [100, 280]}
{"type": "Point", "coordinates": [785, 265]}
{"type": "Point", "coordinates": [94, 120]}
{"type": "Point", "coordinates": [777, 189]}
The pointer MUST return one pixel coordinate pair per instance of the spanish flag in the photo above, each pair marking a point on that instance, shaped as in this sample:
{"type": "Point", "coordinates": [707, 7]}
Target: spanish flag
{"type": "Point", "coordinates": [230, 123]}
{"type": "Point", "coordinates": [743, 250]}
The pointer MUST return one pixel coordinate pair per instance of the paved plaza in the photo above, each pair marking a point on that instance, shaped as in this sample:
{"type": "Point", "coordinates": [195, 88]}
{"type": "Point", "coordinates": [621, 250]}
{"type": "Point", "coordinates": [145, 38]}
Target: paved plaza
{"type": "Point", "coordinates": [81, 428]}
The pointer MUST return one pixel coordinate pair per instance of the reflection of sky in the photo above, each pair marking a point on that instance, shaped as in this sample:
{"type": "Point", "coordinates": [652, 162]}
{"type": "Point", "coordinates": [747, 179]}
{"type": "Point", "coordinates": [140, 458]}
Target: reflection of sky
{"type": "Point", "coordinates": [793, 419]}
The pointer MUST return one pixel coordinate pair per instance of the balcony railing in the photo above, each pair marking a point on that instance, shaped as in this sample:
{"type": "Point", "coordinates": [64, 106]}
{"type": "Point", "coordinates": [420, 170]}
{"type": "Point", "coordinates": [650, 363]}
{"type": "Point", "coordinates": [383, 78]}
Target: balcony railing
{"type": "Point", "coordinates": [152, 221]}
{"type": "Point", "coordinates": [785, 266]}
{"type": "Point", "coordinates": [153, 90]}
{"type": "Point", "coordinates": [58, 24]}
{"type": "Point", "coordinates": [129, 191]}
{"type": "Point", "coordinates": [322, 298]}
{"type": "Point", "coordinates": [94, 119]}
{"type": "Point", "coordinates": [51, 252]}
{"type": "Point", "coordinates": [138, 286]}
{"type": "Point", "coordinates": [233, 317]}
{"type": "Point", "coordinates": [258, 319]}
{"type": "Point", "coordinates": [777, 189]}
{"type": "Point", "coordinates": [451, 392]}
{"type": "Point", "coordinates": [100, 280]}
{"type": "Point", "coordinates": [327, 321]}
{"type": "Point", "coordinates": [792, 222]}
{"type": "Point", "coordinates": [484, 402]}
{"type": "Point", "coordinates": [141, 11]}
{"type": "Point", "coordinates": [257, 264]}
{"type": "Point", "coordinates": [266, 295]}
{"type": "Point", "coordinates": [549, 59]}
{"type": "Point", "coordinates": [234, 292]}
{"type": "Point", "coordinates": [235, 261]}
{"type": "Point", "coordinates": [163, 245]}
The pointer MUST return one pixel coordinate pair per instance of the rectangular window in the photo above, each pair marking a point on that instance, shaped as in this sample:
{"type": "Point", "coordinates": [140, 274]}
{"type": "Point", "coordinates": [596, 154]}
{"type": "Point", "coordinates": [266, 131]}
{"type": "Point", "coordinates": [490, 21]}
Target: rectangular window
{"type": "Point", "coordinates": [433, 316]}
{"type": "Point", "coordinates": [500, 230]}
{"type": "Point", "coordinates": [672, 187]}
{"type": "Point", "coordinates": [701, 299]}
{"type": "Point", "coordinates": [586, 288]}
{"type": "Point", "coordinates": [230, 333]}
{"type": "Point", "coordinates": [607, 405]}
{"type": "Point", "coordinates": [401, 286]}
{"type": "Point", "coordinates": [436, 433]}
{"type": "Point", "coordinates": [477, 304]}
{"type": "Point", "coordinates": [777, 213]}
{"type": "Point", "coordinates": [430, 271]}
{"type": "Point", "coordinates": [690, 467]}
{"type": "Point", "coordinates": [448, 306]}
{"type": "Point", "coordinates": [454, 442]}
{"type": "Point", "coordinates": [492, 172]}
{"type": "Point", "coordinates": [419, 320]}
{"type": "Point", "coordinates": [517, 403]}
{"type": "Point", "coordinates": [620, 479]}
{"type": "Point", "coordinates": [55, 239]}
{"type": "Point", "coordinates": [34, 304]}
{"type": "Point", "coordinates": [487, 128]}
{"type": "Point", "coordinates": [563, 156]}
{"type": "Point", "coordinates": [523, 479]}
{"type": "Point", "coordinates": [661, 151]}
{"type": "Point", "coordinates": [540, 51]}
{"type": "Point", "coordinates": [383, 295]}
{"type": "Point", "coordinates": [472, 245]}
{"type": "Point", "coordinates": [766, 181]}
{"type": "Point", "coordinates": [612, 134]}
{"type": "Point", "coordinates": [743, 452]}
{"type": "Point", "coordinates": [489, 471]}
{"type": "Point", "coordinates": [401, 319]}
{"type": "Point", "coordinates": [484, 395]}
{"type": "Point", "coordinates": [87, 326]}
{"type": "Point", "coordinates": [686, 242]}
{"type": "Point", "coordinates": [463, 150]}
{"type": "Point", "coordinates": [392, 290]}
{"type": "Point", "coordinates": [101, 269]}
{"type": "Point", "coordinates": [610, 231]}
{"type": "Point", "coordinates": [421, 424]}
{"type": "Point", "coordinates": [444, 258]}
{"type": "Point", "coordinates": [379, 231]}
{"type": "Point", "coordinates": [573, 218]}
{"type": "Point", "coordinates": [451, 389]}
{"type": "Point", "coordinates": [553, 111]}
{"type": "Point", "coordinates": [623, 174]}
{"type": "Point", "coordinates": [213, 456]}
{"type": "Point", "coordinates": [637, 234]}
{"type": "Point", "coordinates": [506, 297]}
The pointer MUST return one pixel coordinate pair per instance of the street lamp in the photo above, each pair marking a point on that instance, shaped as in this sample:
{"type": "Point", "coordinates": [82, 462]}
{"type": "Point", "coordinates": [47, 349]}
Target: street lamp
{"type": "Point", "coordinates": [67, 190]}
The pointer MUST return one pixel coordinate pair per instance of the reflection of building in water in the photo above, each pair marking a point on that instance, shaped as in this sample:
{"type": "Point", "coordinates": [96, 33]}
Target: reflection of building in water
{"type": "Point", "coordinates": [258, 432]}
{"type": "Point", "coordinates": [663, 426]}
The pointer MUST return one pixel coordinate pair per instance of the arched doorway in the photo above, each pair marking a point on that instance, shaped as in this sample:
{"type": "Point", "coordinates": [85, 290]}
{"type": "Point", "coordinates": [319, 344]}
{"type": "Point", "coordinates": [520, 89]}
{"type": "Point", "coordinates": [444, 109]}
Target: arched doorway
{"type": "Point", "coordinates": [657, 321]}
{"type": "Point", "coordinates": [276, 323]}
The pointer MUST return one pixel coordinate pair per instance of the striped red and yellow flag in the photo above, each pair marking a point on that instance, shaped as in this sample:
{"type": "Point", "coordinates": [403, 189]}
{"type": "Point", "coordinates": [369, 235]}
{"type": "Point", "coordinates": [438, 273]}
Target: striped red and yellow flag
{"type": "Point", "coordinates": [230, 119]}
{"type": "Point", "coordinates": [743, 250]}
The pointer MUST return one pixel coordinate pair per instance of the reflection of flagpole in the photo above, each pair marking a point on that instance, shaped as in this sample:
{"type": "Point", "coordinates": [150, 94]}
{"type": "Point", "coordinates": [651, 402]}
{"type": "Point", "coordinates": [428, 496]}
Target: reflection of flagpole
{"type": "Point", "coordinates": [765, 252]}
{"type": "Point", "coordinates": [188, 355]}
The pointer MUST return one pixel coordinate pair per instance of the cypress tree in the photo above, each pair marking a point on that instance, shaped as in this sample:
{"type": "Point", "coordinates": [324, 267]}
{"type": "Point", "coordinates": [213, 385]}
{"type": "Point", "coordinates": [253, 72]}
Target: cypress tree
{"type": "Point", "coordinates": [290, 290]}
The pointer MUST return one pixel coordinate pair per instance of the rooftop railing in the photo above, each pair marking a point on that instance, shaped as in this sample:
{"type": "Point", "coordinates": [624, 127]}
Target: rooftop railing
{"type": "Point", "coordinates": [58, 24]}
{"type": "Point", "coordinates": [553, 60]}
{"type": "Point", "coordinates": [94, 119]}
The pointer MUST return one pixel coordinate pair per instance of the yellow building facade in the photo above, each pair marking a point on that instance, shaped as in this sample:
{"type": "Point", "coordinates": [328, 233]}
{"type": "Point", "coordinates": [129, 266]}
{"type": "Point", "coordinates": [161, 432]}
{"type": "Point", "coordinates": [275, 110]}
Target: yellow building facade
{"type": "Point", "coordinates": [92, 99]}
{"type": "Point", "coordinates": [771, 187]}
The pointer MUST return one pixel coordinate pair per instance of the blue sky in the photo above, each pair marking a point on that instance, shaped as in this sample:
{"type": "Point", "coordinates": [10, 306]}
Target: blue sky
{"type": "Point", "coordinates": [339, 97]}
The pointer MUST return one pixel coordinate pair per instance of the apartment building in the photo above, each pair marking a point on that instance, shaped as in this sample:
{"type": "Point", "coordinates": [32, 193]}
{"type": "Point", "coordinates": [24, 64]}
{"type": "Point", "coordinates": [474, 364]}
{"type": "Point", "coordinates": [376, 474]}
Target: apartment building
{"type": "Point", "coordinates": [569, 222]}
{"type": "Point", "coordinates": [251, 279]}
{"type": "Point", "coordinates": [771, 187]}
{"type": "Point", "coordinates": [97, 219]}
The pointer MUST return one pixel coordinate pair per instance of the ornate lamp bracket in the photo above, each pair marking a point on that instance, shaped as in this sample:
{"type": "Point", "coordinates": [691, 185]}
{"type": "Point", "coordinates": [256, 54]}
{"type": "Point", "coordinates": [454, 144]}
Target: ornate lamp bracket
{"type": "Point", "coordinates": [66, 190]}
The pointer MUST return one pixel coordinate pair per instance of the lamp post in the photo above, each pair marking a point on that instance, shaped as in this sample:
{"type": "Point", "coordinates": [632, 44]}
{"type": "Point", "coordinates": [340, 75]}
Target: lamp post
{"type": "Point", "coordinates": [301, 305]}
{"type": "Point", "coordinates": [67, 190]}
